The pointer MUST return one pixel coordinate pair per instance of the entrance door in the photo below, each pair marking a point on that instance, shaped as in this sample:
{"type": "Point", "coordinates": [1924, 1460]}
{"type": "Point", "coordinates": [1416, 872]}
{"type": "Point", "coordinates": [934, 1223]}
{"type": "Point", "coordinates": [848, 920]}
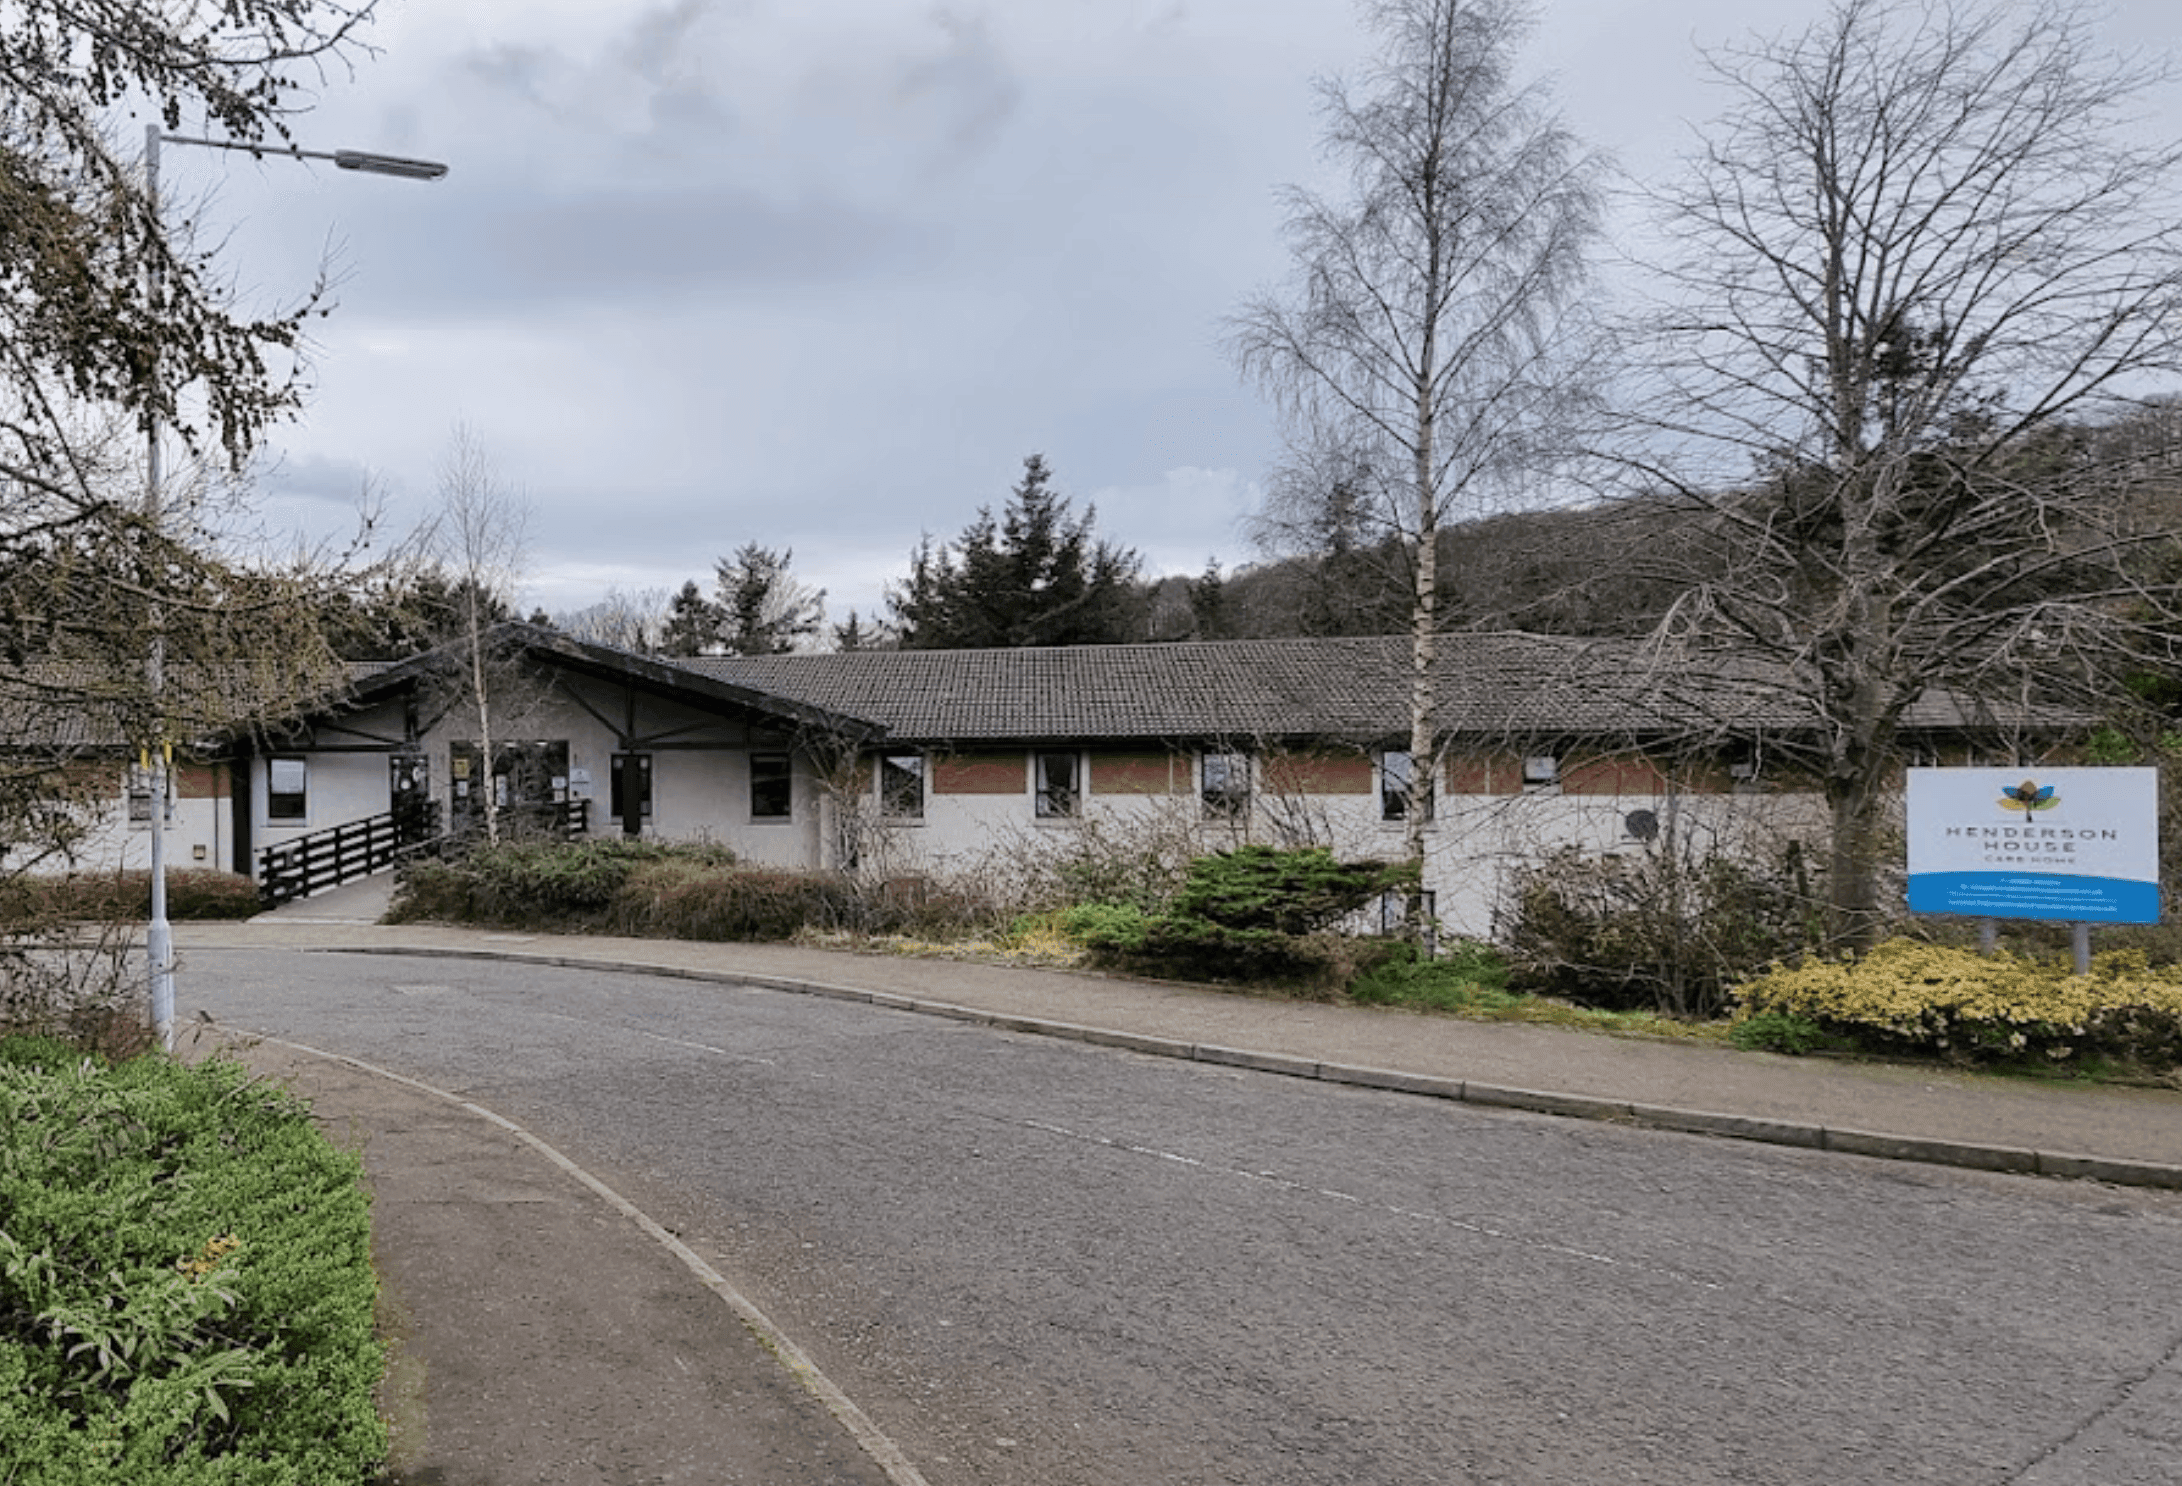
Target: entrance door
{"type": "Point", "coordinates": [409, 792]}
{"type": "Point", "coordinates": [529, 784]}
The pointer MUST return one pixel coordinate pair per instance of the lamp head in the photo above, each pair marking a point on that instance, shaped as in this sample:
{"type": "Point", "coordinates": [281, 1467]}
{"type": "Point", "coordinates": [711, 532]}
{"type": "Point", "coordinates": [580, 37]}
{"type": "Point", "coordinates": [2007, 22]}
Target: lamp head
{"type": "Point", "coordinates": [415, 170]}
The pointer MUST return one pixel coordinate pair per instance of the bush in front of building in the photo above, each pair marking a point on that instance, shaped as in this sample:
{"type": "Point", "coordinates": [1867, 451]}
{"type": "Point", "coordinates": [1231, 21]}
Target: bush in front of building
{"type": "Point", "coordinates": [111, 897]}
{"type": "Point", "coordinates": [741, 904]}
{"type": "Point", "coordinates": [1254, 914]}
{"type": "Point", "coordinates": [566, 885]}
{"type": "Point", "coordinates": [1910, 996]}
{"type": "Point", "coordinates": [647, 889]}
{"type": "Point", "coordinates": [1655, 930]}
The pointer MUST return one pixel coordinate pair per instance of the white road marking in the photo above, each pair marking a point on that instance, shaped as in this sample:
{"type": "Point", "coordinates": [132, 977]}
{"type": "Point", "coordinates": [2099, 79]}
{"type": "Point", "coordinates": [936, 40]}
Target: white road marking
{"type": "Point", "coordinates": [1272, 1179]}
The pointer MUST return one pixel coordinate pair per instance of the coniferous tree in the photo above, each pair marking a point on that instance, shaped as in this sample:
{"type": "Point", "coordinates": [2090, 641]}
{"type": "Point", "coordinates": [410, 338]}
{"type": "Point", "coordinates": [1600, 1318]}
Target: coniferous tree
{"type": "Point", "coordinates": [763, 610]}
{"type": "Point", "coordinates": [859, 633]}
{"type": "Point", "coordinates": [1035, 575]}
{"type": "Point", "coordinates": [693, 624]}
{"type": "Point", "coordinates": [1208, 603]}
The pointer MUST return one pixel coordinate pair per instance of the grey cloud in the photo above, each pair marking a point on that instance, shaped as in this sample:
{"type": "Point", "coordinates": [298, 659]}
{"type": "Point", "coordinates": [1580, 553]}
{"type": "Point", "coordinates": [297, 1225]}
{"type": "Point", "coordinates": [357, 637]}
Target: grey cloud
{"type": "Point", "coordinates": [970, 82]}
{"type": "Point", "coordinates": [655, 60]}
{"type": "Point", "coordinates": [659, 37]}
{"type": "Point", "coordinates": [613, 246]}
{"type": "Point", "coordinates": [515, 68]}
{"type": "Point", "coordinates": [317, 477]}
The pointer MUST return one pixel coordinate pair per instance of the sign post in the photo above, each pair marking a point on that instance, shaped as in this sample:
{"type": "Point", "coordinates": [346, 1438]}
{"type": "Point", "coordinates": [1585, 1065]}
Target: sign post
{"type": "Point", "coordinates": [2077, 845]}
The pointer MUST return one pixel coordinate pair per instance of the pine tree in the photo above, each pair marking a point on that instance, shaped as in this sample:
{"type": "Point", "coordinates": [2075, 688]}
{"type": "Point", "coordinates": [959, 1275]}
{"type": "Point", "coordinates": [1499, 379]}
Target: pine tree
{"type": "Point", "coordinates": [763, 610]}
{"type": "Point", "coordinates": [1036, 575]}
{"type": "Point", "coordinates": [693, 624]}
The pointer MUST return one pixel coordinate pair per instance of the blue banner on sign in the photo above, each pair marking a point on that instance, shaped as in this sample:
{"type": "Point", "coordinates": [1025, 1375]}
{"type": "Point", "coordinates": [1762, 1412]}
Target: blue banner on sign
{"type": "Point", "coordinates": [2104, 900]}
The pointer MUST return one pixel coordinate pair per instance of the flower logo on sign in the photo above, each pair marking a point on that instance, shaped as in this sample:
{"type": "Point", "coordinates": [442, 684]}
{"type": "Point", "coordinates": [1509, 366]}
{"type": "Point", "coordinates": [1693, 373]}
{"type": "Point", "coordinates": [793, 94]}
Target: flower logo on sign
{"type": "Point", "coordinates": [2029, 795]}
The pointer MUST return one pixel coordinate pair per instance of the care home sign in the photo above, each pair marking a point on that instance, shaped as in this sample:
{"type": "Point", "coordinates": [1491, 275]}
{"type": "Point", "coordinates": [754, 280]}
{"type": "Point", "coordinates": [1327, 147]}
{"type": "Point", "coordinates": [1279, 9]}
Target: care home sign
{"type": "Point", "coordinates": [2075, 844]}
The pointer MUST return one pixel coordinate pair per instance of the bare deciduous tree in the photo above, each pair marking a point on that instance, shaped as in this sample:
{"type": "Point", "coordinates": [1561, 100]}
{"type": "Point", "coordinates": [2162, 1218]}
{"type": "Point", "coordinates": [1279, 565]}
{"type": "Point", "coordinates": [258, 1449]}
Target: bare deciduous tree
{"type": "Point", "coordinates": [627, 620]}
{"type": "Point", "coordinates": [482, 538]}
{"type": "Point", "coordinates": [1922, 262]}
{"type": "Point", "coordinates": [1427, 335]}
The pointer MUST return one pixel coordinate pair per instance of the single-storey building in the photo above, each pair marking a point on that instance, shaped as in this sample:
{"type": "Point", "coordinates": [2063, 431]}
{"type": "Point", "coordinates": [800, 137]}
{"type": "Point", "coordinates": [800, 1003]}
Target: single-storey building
{"type": "Point", "coordinates": [947, 764]}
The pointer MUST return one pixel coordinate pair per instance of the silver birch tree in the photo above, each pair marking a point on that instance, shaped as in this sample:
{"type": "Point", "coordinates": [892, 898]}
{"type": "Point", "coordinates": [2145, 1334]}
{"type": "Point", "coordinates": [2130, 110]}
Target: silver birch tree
{"type": "Point", "coordinates": [1427, 334]}
{"type": "Point", "coordinates": [482, 541]}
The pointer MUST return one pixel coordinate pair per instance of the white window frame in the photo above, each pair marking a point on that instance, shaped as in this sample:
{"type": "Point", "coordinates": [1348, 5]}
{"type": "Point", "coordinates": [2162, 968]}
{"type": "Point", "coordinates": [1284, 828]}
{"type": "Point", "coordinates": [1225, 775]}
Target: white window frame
{"type": "Point", "coordinates": [1232, 797]}
{"type": "Point", "coordinates": [1042, 790]}
{"type": "Point", "coordinates": [1394, 800]}
{"type": "Point", "coordinates": [916, 769]}
{"type": "Point", "coordinates": [301, 795]}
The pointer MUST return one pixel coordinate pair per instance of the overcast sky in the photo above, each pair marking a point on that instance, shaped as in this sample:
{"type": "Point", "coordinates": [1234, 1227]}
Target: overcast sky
{"type": "Point", "coordinates": [820, 273]}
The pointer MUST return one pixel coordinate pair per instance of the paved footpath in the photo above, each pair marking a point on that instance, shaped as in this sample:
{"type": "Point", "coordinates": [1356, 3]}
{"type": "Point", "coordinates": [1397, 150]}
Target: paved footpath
{"type": "Point", "coordinates": [503, 1266]}
{"type": "Point", "coordinates": [1905, 1111]}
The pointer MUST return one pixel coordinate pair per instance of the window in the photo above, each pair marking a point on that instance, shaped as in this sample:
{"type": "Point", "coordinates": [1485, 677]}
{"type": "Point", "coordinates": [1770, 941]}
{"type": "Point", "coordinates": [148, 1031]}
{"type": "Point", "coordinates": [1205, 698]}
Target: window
{"type": "Point", "coordinates": [1224, 781]}
{"type": "Point", "coordinates": [772, 786]}
{"type": "Point", "coordinates": [1060, 786]}
{"type": "Point", "coordinates": [901, 786]}
{"type": "Point", "coordinates": [1396, 767]}
{"type": "Point", "coordinates": [631, 777]}
{"type": "Point", "coordinates": [287, 795]}
{"type": "Point", "coordinates": [1541, 771]}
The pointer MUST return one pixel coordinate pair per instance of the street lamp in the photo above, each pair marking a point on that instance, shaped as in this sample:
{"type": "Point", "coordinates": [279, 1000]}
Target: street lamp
{"type": "Point", "coordinates": [159, 934]}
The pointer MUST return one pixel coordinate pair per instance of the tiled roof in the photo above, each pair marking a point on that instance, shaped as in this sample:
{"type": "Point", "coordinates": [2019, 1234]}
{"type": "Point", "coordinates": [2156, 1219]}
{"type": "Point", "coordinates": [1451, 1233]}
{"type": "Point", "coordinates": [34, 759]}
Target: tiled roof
{"type": "Point", "coordinates": [69, 706]}
{"type": "Point", "coordinates": [1350, 689]}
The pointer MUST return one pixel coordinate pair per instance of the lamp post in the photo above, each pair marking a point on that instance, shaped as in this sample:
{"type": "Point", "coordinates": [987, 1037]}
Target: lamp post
{"type": "Point", "coordinates": [158, 760]}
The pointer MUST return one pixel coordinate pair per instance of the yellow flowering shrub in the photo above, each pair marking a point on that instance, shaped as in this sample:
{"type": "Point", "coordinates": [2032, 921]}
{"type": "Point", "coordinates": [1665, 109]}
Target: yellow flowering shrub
{"type": "Point", "coordinates": [1906, 994]}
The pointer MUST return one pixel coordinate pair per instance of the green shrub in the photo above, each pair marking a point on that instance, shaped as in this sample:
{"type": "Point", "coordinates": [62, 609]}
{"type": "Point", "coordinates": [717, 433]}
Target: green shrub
{"type": "Point", "coordinates": [1469, 976]}
{"type": "Point", "coordinates": [1780, 1032]}
{"type": "Point", "coordinates": [1287, 891]}
{"type": "Point", "coordinates": [429, 891]}
{"type": "Point", "coordinates": [1113, 928]}
{"type": "Point", "coordinates": [1256, 914]}
{"type": "Point", "coordinates": [186, 1292]}
{"type": "Point", "coordinates": [1910, 996]}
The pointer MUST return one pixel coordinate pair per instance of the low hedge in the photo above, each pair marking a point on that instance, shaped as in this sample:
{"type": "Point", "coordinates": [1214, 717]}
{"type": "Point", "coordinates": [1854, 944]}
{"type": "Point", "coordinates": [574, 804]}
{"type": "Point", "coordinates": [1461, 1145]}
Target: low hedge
{"type": "Point", "coordinates": [741, 903]}
{"type": "Point", "coordinates": [186, 1292]}
{"type": "Point", "coordinates": [107, 897]}
{"type": "Point", "coordinates": [643, 888]}
{"type": "Point", "coordinates": [538, 883]}
{"type": "Point", "coordinates": [1914, 997]}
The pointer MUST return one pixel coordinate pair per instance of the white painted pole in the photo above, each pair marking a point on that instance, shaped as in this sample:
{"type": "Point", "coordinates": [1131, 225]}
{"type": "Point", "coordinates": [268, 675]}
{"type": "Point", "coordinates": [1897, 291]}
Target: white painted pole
{"type": "Point", "coordinates": [159, 759]}
{"type": "Point", "coordinates": [158, 935]}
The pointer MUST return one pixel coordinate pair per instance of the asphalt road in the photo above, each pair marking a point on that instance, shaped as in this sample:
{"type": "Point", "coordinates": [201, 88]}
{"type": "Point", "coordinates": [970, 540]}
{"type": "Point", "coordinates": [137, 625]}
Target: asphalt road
{"type": "Point", "coordinates": [1041, 1261]}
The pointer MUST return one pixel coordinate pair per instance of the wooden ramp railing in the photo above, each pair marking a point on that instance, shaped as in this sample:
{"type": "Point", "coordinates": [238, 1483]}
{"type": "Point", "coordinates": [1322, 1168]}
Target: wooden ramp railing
{"type": "Point", "coordinates": [309, 864]}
